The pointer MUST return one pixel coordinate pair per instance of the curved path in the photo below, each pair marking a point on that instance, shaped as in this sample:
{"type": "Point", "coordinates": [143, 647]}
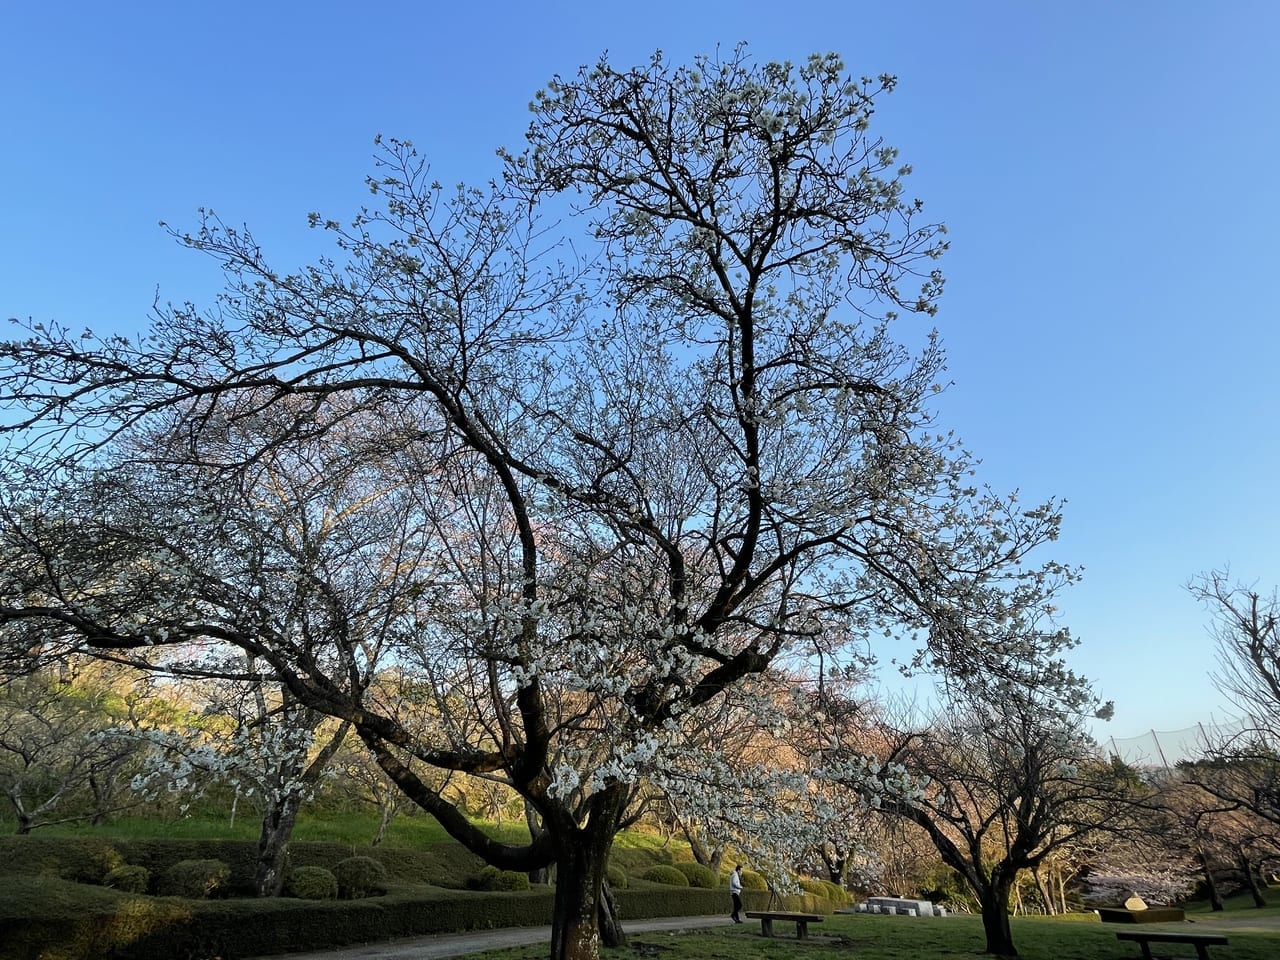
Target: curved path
{"type": "Point", "coordinates": [461, 944]}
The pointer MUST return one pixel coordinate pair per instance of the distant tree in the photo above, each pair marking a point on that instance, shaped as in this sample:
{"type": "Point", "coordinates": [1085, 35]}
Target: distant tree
{"type": "Point", "coordinates": [1002, 784]}
{"type": "Point", "coordinates": [639, 479]}
{"type": "Point", "coordinates": [66, 755]}
{"type": "Point", "coordinates": [1241, 771]}
{"type": "Point", "coordinates": [269, 749]}
{"type": "Point", "coordinates": [1245, 625]}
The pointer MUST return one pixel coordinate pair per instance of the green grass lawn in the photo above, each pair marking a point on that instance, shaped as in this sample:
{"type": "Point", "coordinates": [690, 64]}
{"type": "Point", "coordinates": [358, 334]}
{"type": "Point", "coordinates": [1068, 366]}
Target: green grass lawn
{"type": "Point", "coordinates": [1075, 937]}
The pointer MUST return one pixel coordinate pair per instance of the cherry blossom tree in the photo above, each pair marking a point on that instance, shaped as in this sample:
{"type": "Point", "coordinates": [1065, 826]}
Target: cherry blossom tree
{"type": "Point", "coordinates": [1001, 784]}
{"type": "Point", "coordinates": [658, 422]}
{"type": "Point", "coordinates": [270, 750]}
{"type": "Point", "coordinates": [65, 752]}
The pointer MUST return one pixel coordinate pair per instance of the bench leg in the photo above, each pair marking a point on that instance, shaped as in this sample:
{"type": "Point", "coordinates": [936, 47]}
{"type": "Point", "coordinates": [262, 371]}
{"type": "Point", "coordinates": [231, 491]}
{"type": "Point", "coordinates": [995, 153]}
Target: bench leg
{"type": "Point", "coordinates": [766, 927]}
{"type": "Point", "coordinates": [802, 929]}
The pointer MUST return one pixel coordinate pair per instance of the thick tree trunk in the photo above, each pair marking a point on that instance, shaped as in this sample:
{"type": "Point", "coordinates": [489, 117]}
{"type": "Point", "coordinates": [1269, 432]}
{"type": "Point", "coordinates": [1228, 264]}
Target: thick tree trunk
{"type": "Point", "coordinates": [273, 846]}
{"type": "Point", "coordinates": [575, 930]}
{"type": "Point", "coordinates": [995, 918]}
{"type": "Point", "coordinates": [581, 856]}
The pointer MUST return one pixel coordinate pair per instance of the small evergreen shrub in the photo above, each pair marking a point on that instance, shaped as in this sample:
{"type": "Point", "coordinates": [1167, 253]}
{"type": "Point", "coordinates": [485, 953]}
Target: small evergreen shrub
{"type": "Point", "coordinates": [491, 878]}
{"type": "Point", "coordinates": [128, 879]}
{"type": "Point", "coordinates": [661, 873]}
{"type": "Point", "coordinates": [698, 875]}
{"type": "Point", "coordinates": [753, 881]}
{"type": "Point", "coordinates": [88, 861]}
{"type": "Point", "coordinates": [194, 879]}
{"type": "Point", "coordinates": [312, 883]}
{"type": "Point", "coordinates": [835, 892]}
{"type": "Point", "coordinates": [617, 877]}
{"type": "Point", "coordinates": [823, 888]}
{"type": "Point", "coordinates": [360, 877]}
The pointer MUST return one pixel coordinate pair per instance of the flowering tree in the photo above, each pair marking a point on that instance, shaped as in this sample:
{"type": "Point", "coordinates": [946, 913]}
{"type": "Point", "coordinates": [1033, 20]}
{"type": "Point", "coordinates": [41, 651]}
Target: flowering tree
{"type": "Point", "coordinates": [272, 751]}
{"type": "Point", "coordinates": [65, 754]}
{"type": "Point", "coordinates": [1001, 784]}
{"type": "Point", "coordinates": [641, 478]}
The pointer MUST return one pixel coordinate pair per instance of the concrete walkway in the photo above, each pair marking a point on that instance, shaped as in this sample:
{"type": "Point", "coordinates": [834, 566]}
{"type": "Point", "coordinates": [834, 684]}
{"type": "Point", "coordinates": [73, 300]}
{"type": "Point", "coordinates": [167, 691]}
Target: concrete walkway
{"type": "Point", "coordinates": [461, 944]}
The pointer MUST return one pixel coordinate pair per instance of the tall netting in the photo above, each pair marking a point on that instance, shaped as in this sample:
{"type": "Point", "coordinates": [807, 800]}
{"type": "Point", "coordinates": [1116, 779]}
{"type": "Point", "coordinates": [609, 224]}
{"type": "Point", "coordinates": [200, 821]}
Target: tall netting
{"type": "Point", "coordinates": [1164, 748]}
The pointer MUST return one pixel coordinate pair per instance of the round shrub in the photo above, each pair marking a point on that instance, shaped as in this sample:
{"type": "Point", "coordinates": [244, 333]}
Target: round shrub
{"type": "Point", "coordinates": [665, 874]}
{"type": "Point", "coordinates": [617, 877]}
{"type": "Point", "coordinates": [128, 879]}
{"type": "Point", "coordinates": [193, 879]}
{"type": "Point", "coordinates": [753, 881]}
{"type": "Point", "coordinates": [835, 892]}
{"type": "Point", "coordinates": [491, 878]}
{"type": "Point", "coordinates": [88, 861]}
{"type": "Point", "coordinates": [697, 874]}
{"type": "Point", "coordinates": [809, 885]}
{"type": "Point", "coordinates": [312, 883]}
{"type": "Point", "coordinates": [360, 877]}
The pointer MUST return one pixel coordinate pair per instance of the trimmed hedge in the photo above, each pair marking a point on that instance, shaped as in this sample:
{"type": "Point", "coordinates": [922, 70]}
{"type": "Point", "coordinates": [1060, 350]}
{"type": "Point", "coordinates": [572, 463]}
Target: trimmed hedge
{"type": "Point", "coordinates": [83, 922]}
{"type": "Point", "coordinates": [193, 879]}
{"type": "Point", "coordinates": [311, 883]}
{"type": "Point", "coordinates": [698, 875]}
{"type": "Point", "coordinates": [78, 859]}
{"type": "Point", "coordinates": [491, 878]}
{"type": "Point", "coordinates": [664, 874]}
{"type": "Point", "coordinates": [93, 922]}
{"type": "Point", "coordinates": [86, 860]}
{"type": "Point", "coordinates": [753, 881]}
{"type": "Point", "coordinates": [360, 877]}
{"type": "Point", "coordinates": [128, 879]}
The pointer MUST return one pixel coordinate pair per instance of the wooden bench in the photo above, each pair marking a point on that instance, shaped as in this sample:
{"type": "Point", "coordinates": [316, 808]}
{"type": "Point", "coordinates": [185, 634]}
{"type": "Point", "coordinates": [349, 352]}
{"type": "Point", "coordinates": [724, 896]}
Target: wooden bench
{"type": "Point", "coordinates": [801, 920]}
{"type": "Point", "coordinates": [1201, 941]}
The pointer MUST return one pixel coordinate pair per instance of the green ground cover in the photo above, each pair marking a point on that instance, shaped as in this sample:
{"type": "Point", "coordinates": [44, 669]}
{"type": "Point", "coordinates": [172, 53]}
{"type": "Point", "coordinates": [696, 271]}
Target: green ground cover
{"type": "Point", "coordinates": [423, 862]}
{"type": "Point", "coordinates": [1078, 937]}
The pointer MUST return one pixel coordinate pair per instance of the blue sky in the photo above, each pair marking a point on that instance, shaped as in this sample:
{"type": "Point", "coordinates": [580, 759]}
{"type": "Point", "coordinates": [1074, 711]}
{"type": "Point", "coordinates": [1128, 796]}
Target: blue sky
{"type": "Point", "coordinates": [1107, 172]}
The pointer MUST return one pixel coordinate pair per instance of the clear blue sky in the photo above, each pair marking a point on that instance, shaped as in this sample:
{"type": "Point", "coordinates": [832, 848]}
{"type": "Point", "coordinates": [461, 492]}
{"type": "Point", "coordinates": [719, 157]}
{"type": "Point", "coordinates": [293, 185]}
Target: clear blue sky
{"type": "Point", "coordinates": [1108, 172]}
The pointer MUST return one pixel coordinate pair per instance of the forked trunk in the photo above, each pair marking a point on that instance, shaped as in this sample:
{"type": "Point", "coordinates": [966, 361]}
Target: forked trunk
{"type": "Point", "coordinates": [581, 857]}
{"type": "Point", "coordinates": [611, 932]}
{"type": "Point", "coordinates": [1251, 879]}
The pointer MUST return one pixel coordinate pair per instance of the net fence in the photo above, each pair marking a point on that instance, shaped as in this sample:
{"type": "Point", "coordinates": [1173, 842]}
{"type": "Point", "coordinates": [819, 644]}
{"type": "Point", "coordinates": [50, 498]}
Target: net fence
{"type": "Point", "coordinates": [1164, 748]}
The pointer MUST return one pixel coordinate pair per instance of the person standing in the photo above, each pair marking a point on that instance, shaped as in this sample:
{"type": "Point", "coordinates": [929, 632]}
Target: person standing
{"type": "Point", "coordinates": [735, 891]}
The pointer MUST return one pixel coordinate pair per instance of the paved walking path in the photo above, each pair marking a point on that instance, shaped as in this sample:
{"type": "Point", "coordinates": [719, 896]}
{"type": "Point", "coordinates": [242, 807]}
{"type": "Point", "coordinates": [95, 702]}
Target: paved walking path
{"type": "Point", "coordinates": [461, 944]}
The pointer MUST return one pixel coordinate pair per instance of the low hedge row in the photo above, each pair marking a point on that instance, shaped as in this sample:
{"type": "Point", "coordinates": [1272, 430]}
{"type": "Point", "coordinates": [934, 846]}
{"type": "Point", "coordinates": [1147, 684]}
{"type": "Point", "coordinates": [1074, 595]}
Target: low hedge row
{"type": "Point", "coordinates": [89, 860]}
{"type": "Point", "coordinates": [51, 907]}
{"type": "Point", "coordinates": [94, 922]}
